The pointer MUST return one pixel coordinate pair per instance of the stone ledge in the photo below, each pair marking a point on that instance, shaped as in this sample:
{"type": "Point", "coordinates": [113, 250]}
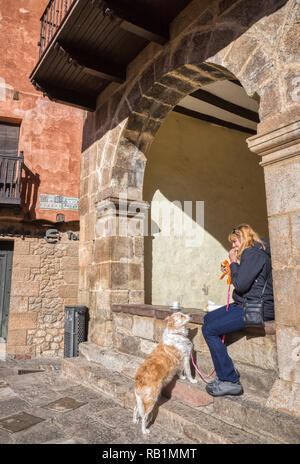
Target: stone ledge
{"type": "Point", "coordinates": [197, 315]}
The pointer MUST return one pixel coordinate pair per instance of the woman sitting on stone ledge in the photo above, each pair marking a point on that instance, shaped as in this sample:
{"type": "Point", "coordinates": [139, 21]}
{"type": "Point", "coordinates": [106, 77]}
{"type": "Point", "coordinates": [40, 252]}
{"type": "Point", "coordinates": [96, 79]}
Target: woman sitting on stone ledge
{"type": "Point", "coordinates": [248, 279]}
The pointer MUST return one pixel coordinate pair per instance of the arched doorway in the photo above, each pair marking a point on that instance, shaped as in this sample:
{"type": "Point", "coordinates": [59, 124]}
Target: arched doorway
{"type": "Point", "coordinates": [201, 180]}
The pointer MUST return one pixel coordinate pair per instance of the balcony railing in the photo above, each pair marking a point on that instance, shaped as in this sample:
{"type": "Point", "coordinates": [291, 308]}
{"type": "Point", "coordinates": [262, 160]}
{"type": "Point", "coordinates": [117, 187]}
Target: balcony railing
{"type": "Point", "coordinates": [10, 179]}
{"type": "Point", "coordinates": [52, 18]}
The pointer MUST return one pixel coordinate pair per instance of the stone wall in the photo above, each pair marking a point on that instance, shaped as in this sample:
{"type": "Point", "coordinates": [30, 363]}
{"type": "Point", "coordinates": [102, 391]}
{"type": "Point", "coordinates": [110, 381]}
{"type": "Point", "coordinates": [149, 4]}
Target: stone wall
{"type": "Point", "coordinates": [138, 334]}
{"type": "Point", "coordinates": [44, 281]}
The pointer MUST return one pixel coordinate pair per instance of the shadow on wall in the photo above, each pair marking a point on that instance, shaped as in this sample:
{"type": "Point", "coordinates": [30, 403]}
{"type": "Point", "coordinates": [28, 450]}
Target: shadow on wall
{"type": "Point", "coordinates": [30, 183]}
{"type": "Point", "coordinates": [192, 160]}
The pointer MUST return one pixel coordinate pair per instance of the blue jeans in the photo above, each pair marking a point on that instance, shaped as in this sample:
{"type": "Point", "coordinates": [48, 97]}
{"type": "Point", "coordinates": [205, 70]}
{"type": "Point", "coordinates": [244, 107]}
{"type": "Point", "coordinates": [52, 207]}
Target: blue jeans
{"type": "Point", "coordinates": [217, 323]}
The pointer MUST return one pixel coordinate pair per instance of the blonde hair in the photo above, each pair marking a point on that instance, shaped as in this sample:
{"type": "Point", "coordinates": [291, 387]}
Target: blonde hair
{"type": "Point", "coordinates": [247, 236]}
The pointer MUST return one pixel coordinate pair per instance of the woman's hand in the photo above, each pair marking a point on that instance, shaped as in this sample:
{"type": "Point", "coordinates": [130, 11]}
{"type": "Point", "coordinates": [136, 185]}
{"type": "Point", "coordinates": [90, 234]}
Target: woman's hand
{"type": "Point", "coordinates": [223, 268]}
{"type": "Point", "coordinates": [233, 255]}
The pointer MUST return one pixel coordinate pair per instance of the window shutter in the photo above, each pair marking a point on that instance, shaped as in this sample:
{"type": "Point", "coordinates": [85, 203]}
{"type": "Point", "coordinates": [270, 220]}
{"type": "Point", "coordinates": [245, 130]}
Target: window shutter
{"type": "Point", "coordinates": [9, 139]}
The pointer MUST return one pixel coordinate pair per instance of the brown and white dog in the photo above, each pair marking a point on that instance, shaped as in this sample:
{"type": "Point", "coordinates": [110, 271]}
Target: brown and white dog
{"type": "Point", "coordinates": [170, 357]}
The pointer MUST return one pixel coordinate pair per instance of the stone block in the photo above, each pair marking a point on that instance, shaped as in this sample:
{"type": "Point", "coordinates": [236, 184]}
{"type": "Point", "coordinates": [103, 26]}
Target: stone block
{"type": "Point", "coordinates": [282, 186]}
{"type": "Point", "coordinates": [102, 249]}
{"type": "Point", "coordinates": [135, 277]}
{"type": "Point", "coordinates": [93, 277]}
{"type": "Point", "coordinates": [21, 247]}
{"type": "Point", "coordinates": [23, 320]}
{"type": "Point", "coordinates": [82, 278]}
{"type": "Point", "coordinates": [127, 344]}
{"type": "Point", "coordinates": [187, 394]}
{"type": "Point", "coordinates": [101, 333]}
{"type": "Point", "coordinates": [85, 253]}
{"type": "Point", "coordinates": [71, 277]}
{"type": "Point", "coordinates": [26, 261]}
{"type": "Point", "coordinates": [164, 94]}
{"type": "Point", "coordinates": [288, 346]}
{"type": "Point", "coordinates": [68, 291]}
{"type": "Point", "coordinates": [195, 335]}
{"type": "Point", "coordinates": [83, 206]}
{"type": "Point", "coordinates": [295, 230]}
{"type": "Point", "coordinates": [69, 263]}
{"type": "Point", "coordinates": [143, 327]}
{"type": "Point", "coordinates": [138, 245]}
{"type": "Point", "coordinates": [21, 350]}
{"type": "Point", "coordinates": [20, 275]}
{"type": "Point", "coordinates": [16, 337]}
{"type": "Point", "coordinates": [118, 297]}
{"type": "Point", "coordinates": [159, 327]}
{"type": "Point", "coordinates": [147, 347]}
{"type": "Point", "coordinates": [136, 297]}
{"type": "Point", "coordinates": [84, 186]}
{"type": "Point", "coordinates": [280, 241]}
{"type": "Point", "coordinates": [72, 249]}
{"type": "Point", "coordinates": [292, 81]}
{"type": "Point", "coordinates": [25, 288]}
{"type": "Point", "coordinates": [18, 304]}
{"type": "Point", "coordinates": [71, 301]}
{"type": "Point", "coordinates": [287, 296]}
{"type": "Point", "coordinates": [22, 357]}
{"type": "Point", "coordinates": [118, 276]}
{"type": "Point", "coordinates": [256, 351]}
{"type": "Point", "coordinates": [113, 249]}
{"type": "Point", "coordinates": [89, 232]}
{"type": "Point", "coordinates": [284, 396]}
{"type": "Point", "coordinates": [270, 102]}
{"type": "Point", "coordinates": [123, 321]}
{"type": "Point", "coordinates": [241, 50]}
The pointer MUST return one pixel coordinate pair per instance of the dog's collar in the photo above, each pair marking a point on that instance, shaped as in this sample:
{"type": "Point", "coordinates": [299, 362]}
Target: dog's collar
{"type": "Point", "coordinates": [179, 333]}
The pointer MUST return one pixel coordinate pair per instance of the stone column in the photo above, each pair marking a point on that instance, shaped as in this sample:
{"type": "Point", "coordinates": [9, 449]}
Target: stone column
{"type": "Point", "coordinates": [280, 152]}
{"type": "Point", "coordinates": [118, 261]}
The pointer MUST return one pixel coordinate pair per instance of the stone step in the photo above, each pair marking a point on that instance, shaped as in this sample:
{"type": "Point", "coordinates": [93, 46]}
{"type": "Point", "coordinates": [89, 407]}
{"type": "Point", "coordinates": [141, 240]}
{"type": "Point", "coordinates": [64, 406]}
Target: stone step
{"type": "Point", "coordinates": [248, 411]}
{"type": "Point", "coordinates": [256, 381]}
{"type": "Point", "coordinates": [171, 414]}
{"type": "Point", "coordinates": [190, 394]}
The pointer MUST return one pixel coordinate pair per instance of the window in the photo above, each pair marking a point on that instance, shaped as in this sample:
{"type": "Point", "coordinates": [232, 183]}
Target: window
{"type": "Point", "coordinates": [9, 139]}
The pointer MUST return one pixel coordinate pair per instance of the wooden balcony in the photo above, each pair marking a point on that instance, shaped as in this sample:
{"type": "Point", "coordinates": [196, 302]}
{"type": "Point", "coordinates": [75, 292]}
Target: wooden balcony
{"type": "Point", "coordinates": [86, 44]}
{"type": "Point", "coordinates": [10, 179]}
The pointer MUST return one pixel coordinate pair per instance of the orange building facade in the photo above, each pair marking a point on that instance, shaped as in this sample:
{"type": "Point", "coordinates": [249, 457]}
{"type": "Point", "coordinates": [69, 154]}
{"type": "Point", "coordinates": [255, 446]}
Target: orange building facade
{"type": "Point", "coordinates": [40, 146]}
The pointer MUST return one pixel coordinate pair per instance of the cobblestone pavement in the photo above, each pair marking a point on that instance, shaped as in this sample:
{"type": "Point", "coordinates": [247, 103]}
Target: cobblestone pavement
{"type": "Point", "coordinates": [99, 420]}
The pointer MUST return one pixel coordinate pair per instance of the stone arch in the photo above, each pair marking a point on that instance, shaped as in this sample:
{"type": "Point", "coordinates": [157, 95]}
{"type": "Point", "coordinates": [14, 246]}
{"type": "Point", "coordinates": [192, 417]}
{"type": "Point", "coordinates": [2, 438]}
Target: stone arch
{"type": "Point", "coordinates": [218, 45]}
{"type": "Point", "coordinates": [147, 116]}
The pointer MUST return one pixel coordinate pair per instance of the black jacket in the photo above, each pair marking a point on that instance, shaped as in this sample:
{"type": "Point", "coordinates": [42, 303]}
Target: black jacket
{"type": "Point", "coordinates": [250, 275]}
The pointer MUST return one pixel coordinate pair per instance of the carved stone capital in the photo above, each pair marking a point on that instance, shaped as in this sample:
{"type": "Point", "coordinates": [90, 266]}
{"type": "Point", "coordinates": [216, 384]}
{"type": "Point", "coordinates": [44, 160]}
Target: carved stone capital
{"type": "Point", "coordinates": [277, 145]}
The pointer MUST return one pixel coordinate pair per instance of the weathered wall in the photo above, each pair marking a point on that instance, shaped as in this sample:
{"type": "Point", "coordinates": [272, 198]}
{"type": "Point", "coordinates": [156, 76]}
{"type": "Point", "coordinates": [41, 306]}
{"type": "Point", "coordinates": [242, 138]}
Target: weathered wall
{"type": "Point", "coordinates": [44, 281]}
{"type": "Point", "coordinates": [192, 160]}
{"type": "Point", "coordinates": [50, 133]}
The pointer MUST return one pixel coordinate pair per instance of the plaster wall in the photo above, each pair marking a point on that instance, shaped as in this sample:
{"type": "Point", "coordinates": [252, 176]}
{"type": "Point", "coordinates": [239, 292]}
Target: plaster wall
{"type": "Point", "coordinates": [193, 160]}
{"type": "Point", "coordinates": [50, 133]}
